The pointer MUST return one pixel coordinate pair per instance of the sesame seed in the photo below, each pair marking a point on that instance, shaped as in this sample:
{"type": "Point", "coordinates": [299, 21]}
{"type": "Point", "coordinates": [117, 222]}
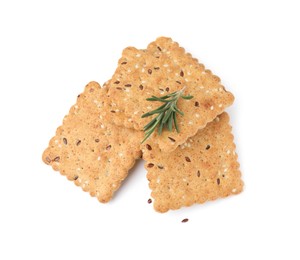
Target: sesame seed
{"type": "Point", "coordinates": [190, 122]}
{"type": "Point", "coordinates": [212, 108]}
{"type": "Point", "coordinates": [138, 55]}
{"type": "Point", "coordinates": [197, 115]}
{"type": "Point", "coordinates": [220, 105]}
{"type": "Point", "coordinates": [233, 190]}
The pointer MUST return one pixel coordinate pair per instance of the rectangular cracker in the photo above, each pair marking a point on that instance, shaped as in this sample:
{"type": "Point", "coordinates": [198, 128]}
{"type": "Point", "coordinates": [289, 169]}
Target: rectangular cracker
{"type": "Point", "coordinates": [202, 169]}
{"type": "Point", "coordinates": [164, 67]}
{"type": "Point", "coordinates": [91, 152]}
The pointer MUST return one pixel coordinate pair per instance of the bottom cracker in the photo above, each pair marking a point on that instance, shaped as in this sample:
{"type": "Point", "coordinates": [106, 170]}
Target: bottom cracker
{"type": "Point", "coordinates": [204, 168]}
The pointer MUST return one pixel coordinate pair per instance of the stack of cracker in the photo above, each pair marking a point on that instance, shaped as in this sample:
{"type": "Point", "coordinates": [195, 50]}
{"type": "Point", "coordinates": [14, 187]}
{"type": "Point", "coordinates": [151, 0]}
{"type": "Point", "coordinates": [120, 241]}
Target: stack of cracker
{"type": "Point", "coordinates": [100, 139]}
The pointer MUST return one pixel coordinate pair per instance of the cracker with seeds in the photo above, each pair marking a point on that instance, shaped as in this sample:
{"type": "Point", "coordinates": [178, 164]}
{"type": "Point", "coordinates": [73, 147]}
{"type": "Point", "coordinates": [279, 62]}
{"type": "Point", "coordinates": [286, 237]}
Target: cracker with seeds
{"type": "Point", "coordinates": [163, 68]}
{"type": "Point", "coordinates": [93, 153]}
{"type": "Point", "coordinates": [204, 168]}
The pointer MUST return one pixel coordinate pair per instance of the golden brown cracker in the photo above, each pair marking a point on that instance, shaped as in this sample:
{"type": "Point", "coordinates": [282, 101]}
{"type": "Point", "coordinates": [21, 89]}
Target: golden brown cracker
{"type": "Point", "coordinates": [93, 153]}
{"type": "Point", "coordinates": [164, 67]}
{"type": "Point", "coordinates": [203, 168]}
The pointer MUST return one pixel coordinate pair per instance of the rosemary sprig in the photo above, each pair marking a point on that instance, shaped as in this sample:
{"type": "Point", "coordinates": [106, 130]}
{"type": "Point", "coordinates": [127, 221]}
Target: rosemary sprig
{"type": "Point", "coordinates": [166, 113]}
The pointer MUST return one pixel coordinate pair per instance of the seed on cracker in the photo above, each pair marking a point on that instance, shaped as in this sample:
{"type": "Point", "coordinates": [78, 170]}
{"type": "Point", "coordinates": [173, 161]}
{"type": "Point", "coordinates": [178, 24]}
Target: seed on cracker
{"type": "Point", "coordinates": [90, 151]}
{"type": "Point", "coordinates": [163, 68]}
{"type": "Point", "coordinates": [202, 169]}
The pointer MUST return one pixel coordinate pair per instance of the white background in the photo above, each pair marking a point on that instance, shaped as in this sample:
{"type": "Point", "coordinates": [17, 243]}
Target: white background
{"type": "Point", "coordinates": [49, 50]}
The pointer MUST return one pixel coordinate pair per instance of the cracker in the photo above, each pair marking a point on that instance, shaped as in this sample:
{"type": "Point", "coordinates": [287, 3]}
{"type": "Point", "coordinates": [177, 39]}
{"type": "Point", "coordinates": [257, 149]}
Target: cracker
{"type": "Point", "coordinates": [91, 152]}
{"type": "Point", "coordinates": [202, 169]}
{"type": "Point", "coordinates": [164, 67]}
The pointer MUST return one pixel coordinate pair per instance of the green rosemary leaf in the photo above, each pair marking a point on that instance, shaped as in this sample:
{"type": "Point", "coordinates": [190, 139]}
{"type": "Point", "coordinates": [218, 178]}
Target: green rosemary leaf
{"type": "Point", "coordinates": [160, 128]}
{"type": "Point", "coordinates": [156, 111]}
{"type": "Point", "coordinates": [146, 127]}
{"type": "Point", "coordinates": [187, 97]}
{"type": "Point", "coordinates": [166, 114]}
{"type": "Point", "coordinates": [175, 122]}
{"type": "Point", "coordinates": [170, 121]}
{"type": "Point", "coordinates": [178, 111]}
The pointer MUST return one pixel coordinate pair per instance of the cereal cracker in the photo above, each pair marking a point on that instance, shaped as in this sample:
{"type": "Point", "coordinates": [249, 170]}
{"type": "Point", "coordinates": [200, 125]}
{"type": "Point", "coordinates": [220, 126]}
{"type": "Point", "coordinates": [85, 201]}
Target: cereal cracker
{"type": "Point", "coordinates": [204, 168]}
{"type": "Point", "coordinates": [91, 152]}
{"type": "Point", "coordinates": [164, 67]}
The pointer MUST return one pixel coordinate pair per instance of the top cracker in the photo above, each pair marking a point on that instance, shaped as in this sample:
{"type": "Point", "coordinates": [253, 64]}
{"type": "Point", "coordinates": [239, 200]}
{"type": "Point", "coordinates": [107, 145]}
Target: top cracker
{"type": "Point", "coordinates": [164, 67]}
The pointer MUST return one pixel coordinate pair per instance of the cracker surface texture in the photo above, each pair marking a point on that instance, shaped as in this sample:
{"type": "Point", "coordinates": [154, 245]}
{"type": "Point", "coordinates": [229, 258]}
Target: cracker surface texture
{"type": "Point", "coordinates": [204, 168]}
{"type": "Point", "coordinates": [164, 67]}
{"type": "Point", "coordinates": [91, 152]}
